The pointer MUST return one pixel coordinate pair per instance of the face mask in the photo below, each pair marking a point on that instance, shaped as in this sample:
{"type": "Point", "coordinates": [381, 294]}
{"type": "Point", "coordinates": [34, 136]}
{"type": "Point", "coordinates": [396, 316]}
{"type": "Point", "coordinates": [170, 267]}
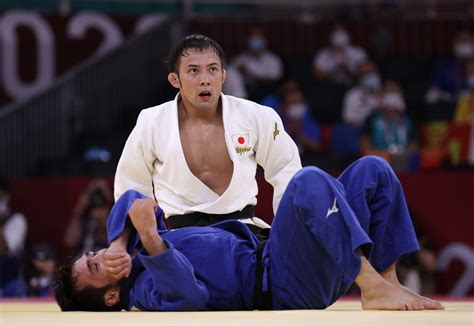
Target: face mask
{"type": "Point", "coordinates": [371, 82]}
{"type": "Point", "coordinates": [340, 39]}
{"type": "Point", "coordinates": [296, 111]}
{"type": "Point", "coordinates": [393, 101]}
{"type": "Point", "coordinates": [3, 206]}
{"type": "Point", "coordinates": [463, 50]}
{"type": "Point", "coordinates": [470, 82]}
{"type": "Point", "coordinates": [257, 44]}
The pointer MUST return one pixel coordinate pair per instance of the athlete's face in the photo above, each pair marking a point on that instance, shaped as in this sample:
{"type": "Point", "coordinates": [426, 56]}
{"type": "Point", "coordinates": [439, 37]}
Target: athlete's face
{"type": "Point", "coordinates": [90, 270]}
{"type": "Point", "coordinates": [200, 78]}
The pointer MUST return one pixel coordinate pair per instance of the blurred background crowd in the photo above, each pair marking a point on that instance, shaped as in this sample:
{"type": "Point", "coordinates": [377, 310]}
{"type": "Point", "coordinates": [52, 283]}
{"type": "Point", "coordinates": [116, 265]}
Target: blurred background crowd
{"type": "Point", "coordinates": [393, 78]}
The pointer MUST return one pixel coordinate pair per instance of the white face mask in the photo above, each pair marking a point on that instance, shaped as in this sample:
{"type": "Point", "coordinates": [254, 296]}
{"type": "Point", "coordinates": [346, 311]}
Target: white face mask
{"type": "Point", "coordinates": [257, 44]}
{"type": "Point", "coordinates": [339, 39]}
{"type": "Point", "coordinates": [393, 101]}
{"type": "Point", "coordinates": [464, 50]}
{"type": "Point", "coordinates": [371, 82]}
{"type": "Point", "coordinates": [296, 111]}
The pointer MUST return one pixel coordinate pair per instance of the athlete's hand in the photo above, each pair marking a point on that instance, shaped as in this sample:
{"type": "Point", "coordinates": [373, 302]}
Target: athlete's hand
{"type": "Point", "coordinates": [142, 215]}
{"type": "Point", "coordinates": [117, 260]}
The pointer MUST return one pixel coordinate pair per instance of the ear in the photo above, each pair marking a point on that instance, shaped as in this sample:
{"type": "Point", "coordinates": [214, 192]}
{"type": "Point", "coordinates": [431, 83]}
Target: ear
{"type": "Point", "coordinates": [174, 80]}
{"type": "Point", "coordinates": [224, 75]}
{"type": "Point", "coordinates": [112, 296]}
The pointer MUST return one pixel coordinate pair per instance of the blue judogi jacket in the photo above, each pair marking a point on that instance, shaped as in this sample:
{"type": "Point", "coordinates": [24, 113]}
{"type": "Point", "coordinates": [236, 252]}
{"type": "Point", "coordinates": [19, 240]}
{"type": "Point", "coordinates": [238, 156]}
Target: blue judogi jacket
{"type": "Point", "coordinates": [312, 257]}
{"type": "Point", "coordinates": [205, 268]}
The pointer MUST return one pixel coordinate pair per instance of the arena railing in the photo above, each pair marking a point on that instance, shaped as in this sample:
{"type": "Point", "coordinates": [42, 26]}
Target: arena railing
{"type": "Point", "coordinates": [89, 98]}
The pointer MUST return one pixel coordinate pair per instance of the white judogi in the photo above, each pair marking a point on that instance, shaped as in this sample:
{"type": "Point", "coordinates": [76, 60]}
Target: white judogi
{"type": "Point", "coordinates": [153, 157]}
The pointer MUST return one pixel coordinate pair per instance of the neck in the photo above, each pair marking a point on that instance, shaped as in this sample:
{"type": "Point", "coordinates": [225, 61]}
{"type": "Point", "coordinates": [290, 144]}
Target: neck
{"type": "Point", "coordinates": [187, 111]}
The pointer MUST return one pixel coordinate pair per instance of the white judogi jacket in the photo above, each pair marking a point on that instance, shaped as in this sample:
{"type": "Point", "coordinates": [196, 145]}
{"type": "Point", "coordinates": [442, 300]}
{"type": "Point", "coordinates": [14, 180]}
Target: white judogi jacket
{"type": "Point", "coordinates": [153, 157]}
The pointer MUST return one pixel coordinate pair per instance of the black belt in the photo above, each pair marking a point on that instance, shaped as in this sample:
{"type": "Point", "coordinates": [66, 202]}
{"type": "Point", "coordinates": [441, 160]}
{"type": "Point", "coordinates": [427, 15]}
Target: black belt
{"type": "Point", "coordinates": [204, 219]}
{"type": "Point", "coordinates": [262, 299]}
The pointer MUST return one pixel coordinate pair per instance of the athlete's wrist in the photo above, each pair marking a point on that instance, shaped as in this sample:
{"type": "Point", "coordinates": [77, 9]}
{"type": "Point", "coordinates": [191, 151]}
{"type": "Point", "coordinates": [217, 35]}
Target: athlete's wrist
{"type": "Point", "coordinates": [153, 243]}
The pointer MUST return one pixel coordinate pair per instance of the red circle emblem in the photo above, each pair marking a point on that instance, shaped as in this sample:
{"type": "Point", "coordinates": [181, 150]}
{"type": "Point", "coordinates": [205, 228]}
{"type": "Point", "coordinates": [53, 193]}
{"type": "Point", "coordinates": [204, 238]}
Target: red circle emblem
{"type": "Point", "coordinates": [241, 140]}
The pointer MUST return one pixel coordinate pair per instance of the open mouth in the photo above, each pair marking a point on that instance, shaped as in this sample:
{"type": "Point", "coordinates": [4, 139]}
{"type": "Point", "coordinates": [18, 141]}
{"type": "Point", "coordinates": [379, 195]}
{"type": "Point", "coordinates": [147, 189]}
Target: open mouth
{"type": "Point", "coordinates": [205, 95]}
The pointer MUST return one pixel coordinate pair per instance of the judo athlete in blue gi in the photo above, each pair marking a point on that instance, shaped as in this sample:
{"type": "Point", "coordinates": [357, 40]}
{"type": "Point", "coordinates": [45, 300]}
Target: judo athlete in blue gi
{"type": "Point", "coordinates": [327, 233]}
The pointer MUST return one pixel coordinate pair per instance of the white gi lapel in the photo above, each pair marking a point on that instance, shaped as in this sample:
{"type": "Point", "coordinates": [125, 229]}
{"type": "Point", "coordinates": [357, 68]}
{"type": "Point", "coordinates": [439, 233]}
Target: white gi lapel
{"type": "Point", "coordinates": [235, 134]}
{"type": "Point", "coordinates": [222, 203]}
{"type": "Point", "coordinates": [188, 182]}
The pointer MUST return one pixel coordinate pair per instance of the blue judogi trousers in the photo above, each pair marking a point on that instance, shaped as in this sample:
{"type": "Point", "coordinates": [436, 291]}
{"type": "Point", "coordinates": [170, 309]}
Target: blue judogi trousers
{"type": "Point", "coordinates": [313, 256]}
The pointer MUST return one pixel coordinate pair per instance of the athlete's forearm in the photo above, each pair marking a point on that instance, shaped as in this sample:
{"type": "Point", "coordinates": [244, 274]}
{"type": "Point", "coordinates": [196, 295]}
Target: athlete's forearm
{"type": "Point", "coordinates": [122, 239]}
{"type": "Point", "coordinates": [153, 242]}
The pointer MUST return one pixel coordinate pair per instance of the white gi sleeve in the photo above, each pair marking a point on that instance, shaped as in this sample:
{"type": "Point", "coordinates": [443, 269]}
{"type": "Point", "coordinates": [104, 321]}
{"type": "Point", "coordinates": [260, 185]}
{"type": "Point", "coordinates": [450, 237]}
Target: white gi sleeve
{"type": "Point", "coordinates": [135, 167]}
{"type": "Point", "coordinates": [276, 152]}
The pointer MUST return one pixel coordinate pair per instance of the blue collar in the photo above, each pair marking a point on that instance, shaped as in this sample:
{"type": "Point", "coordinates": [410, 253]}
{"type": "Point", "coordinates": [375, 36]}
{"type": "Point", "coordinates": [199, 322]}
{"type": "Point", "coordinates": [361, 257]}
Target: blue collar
{"type": "Point", "coordinates": [127, 283]}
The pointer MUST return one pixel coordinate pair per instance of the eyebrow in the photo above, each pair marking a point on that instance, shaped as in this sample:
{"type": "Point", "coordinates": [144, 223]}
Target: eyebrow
{"type": "Point", "coordinates": [89, 267]}
{"type": "Point", "coordinates": [195, 66]}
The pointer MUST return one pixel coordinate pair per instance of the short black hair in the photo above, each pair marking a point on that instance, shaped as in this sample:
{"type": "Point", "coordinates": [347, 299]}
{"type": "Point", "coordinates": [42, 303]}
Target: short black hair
{"type": "Point", "coordinates": [194, 41]}
{"type": "Point", "coordinates": [70, 298]}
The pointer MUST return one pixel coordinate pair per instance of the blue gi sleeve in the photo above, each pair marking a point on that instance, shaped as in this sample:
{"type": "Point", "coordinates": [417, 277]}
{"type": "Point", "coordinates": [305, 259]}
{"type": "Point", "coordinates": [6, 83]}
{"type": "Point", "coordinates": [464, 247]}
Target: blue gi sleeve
{"type": "Point", "coordinates": [168, 284]}
{"type": "Point", "coordinates": [119, 214]}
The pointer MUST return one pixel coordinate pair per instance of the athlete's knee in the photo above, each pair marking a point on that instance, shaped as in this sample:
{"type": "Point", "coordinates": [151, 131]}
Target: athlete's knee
{"type": "Point", "coordinates": [375, 163]}
{"type": "Point", "coordinates": [311, 174]}
{"type": "Point", "coordinates": [311, 177]}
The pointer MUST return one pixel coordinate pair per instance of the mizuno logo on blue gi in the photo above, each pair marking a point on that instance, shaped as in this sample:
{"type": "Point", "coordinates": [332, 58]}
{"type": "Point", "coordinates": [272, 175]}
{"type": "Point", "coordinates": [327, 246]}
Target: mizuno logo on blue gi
{"type": "Point", "coordinates": [333, 209]}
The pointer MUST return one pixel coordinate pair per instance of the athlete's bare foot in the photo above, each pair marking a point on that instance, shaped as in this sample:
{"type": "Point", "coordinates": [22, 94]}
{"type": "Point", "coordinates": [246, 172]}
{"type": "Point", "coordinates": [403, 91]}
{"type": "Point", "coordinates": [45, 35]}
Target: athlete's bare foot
{"type": "Point", "coordinates": [386, 296]}
{"type": "Point", "coordinates": [390, 274]}
{"type": "Point", "coordinates": [379, 294]}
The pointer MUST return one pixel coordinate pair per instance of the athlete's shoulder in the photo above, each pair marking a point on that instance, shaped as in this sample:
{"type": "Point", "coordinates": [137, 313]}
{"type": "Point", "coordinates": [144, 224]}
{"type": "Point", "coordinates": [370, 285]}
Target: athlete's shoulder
{"type": "Point", "coordinates": [249, 108]}
{"type": "Point", "coordinates": [155, 112]}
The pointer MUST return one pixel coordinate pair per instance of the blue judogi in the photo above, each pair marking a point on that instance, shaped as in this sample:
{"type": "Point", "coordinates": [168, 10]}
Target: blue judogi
{"type": "Point", "coordinates": [312, 256]}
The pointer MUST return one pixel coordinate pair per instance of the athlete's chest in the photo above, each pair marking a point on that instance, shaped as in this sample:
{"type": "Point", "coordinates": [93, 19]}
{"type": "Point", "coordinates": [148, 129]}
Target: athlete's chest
{"type": "Point", "coordinates": [206, 154]}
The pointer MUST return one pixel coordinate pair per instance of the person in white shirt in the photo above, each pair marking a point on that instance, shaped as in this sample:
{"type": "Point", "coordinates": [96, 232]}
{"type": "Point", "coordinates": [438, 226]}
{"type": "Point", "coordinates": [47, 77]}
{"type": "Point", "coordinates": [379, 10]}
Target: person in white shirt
{"type": "Point", "coordinates": [339, 61]}
{"type": "Point", "coordinates": [13, 225]}
{"type": "Point", "coordinates": [260, 68]}
{"type": "Point", "coordinates": [234, 84]}
{"type": "Point", "coordinates": [363, 99]}
{"type": "Point", "coordinates": [13, 229]}
{"type": "Point", "coordinates": [197, 155]}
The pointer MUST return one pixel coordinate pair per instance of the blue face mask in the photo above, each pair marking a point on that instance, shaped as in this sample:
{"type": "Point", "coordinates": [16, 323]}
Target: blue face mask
{"type": "Point", "coordinates": [257, 44]}
{"type": "Point", "coordinates": [371, 82]}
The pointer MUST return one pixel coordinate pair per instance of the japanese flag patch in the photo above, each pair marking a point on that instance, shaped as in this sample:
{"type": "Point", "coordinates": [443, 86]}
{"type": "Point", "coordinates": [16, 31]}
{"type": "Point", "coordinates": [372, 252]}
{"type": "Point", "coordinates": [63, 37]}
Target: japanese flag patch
{"type": "Point", "coordinates": [241, 143]}
{"type": "Point", "coordinates": [241, 140]}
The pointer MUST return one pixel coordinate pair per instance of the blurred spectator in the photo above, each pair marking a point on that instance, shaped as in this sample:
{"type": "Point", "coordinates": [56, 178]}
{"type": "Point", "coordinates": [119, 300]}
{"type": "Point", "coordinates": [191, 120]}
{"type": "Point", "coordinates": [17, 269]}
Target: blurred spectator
{"type": "Point", "coordinates": [234, 84]}
{"type": "Point", "coordinates": [339, 61]}
{"type": "Point", "coordinates": [465, 105]}
{"type": "Point", "coordinates": [363, 99]}
{"type": "Point", "coordinates": [449, 77]}
{"type": "Point", "coordinates": [261, 69]}
{"type": "Point", "coordinates": [464, 113]}
{"type": "Point", "coordinates": [13, 229]}
{"type": "Point", "coordinates": [296, 115]}
{"type": "Point", "coordinates": [390, 130]}
{"type": "Point", "coordinates": [42, 263]}
{"type": "Point", "coordinates": [87, 228]}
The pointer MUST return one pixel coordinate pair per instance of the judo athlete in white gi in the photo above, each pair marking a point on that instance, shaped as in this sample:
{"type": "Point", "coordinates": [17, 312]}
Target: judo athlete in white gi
{"type": "Point", "coordinates": [199, 152]}
{"type": "Point", "coordinates": [327, 233]}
